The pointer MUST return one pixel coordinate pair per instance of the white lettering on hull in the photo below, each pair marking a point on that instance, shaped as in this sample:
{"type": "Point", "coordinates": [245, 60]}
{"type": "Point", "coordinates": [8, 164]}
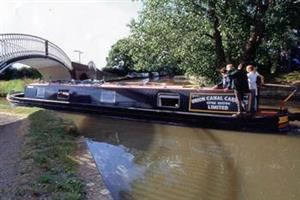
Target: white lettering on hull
{"type": "Point", "coordinates": [217, 107]}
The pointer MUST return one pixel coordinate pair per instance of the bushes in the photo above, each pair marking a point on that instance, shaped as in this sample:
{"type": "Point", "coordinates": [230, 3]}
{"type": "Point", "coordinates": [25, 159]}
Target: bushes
{"type": "Point", "coordinates": [20, 73]}
{"type": "Point", "coordinates": [13, 85]}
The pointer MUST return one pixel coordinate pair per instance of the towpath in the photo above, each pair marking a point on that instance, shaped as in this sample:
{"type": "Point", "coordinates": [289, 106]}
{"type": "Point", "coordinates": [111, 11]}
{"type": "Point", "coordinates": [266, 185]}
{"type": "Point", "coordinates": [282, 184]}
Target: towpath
{"type": "Point", "coordinates": [12, 130]}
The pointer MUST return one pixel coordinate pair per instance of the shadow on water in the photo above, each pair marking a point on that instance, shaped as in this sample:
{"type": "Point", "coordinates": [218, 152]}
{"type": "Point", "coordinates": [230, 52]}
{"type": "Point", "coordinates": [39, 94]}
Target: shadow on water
{"type": "Point", "coordinates": [224, 175]}
{"type": "Point", "coordinates": [146, 160]}
{"type": "Point", "coordinates": [140, 160]}
{"type": "Point", "coordinates": [115, 145]}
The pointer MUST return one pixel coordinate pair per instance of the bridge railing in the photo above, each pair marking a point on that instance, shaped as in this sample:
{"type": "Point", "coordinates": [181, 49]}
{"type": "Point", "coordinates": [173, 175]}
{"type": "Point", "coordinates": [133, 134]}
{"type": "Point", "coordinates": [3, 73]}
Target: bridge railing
{"type": "Point", "coordinates": [17, 45]}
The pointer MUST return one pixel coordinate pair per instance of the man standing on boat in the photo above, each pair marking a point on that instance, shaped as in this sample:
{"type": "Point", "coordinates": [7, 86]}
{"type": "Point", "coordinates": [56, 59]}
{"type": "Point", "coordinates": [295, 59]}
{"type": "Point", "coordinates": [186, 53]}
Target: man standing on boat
{"type": "Point", "coordinates": [254, 79]}
{"type": "Point", "coordinates": [241, 88]}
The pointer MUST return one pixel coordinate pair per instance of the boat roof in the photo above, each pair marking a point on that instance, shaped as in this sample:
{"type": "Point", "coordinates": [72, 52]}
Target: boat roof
{"type": "Point", "coordinates": [133, 85]}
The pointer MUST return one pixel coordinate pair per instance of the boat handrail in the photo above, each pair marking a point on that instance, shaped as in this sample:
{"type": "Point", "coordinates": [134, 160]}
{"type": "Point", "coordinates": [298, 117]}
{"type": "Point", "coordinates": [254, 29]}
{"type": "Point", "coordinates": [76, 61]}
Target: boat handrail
{"type": "Point", "coordinates": [283, 102]}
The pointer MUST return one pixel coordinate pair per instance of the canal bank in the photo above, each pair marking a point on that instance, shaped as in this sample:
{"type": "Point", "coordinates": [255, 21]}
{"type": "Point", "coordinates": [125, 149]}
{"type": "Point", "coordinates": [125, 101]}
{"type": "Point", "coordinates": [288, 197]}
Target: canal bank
{"type": "Point", "coordinates": [44, 158]}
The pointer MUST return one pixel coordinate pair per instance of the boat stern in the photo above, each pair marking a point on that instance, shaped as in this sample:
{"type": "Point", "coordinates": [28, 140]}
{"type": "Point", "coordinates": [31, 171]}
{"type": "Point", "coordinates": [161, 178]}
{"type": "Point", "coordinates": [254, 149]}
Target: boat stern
{"type": "Point", "coordinates": [283, 121]}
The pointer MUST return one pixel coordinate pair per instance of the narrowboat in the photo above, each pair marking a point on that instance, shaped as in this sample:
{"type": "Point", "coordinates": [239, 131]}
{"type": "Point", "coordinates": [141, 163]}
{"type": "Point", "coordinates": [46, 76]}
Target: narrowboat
{"type": "Point", "coordinates": [204, 107]}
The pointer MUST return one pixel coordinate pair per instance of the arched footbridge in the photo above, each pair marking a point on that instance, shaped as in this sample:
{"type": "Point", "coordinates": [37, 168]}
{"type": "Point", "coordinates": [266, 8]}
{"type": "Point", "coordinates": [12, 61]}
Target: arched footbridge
{"type": "Point", "coordinates": [50, 60]}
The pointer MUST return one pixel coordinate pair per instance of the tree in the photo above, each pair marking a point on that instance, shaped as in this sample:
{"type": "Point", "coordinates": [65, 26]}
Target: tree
{"type": "Point", "coordinates": [20, 73]}
{"type": "Point", "coordinates": [200, 36]}
{"type": "Point", "coordinates": [120, 55]}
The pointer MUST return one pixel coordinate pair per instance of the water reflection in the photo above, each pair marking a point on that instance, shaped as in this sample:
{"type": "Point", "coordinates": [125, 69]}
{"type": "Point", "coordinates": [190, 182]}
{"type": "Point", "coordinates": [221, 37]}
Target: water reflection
{"type": "Point", "coordinates": [117, 166]}
{"type": "Point", "coordinates": [155, 161]}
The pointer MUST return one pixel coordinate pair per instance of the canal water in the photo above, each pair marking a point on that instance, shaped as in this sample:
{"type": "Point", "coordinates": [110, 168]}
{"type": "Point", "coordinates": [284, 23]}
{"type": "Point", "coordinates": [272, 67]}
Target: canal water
{"type": "Point", "coordinates": [146, 160]}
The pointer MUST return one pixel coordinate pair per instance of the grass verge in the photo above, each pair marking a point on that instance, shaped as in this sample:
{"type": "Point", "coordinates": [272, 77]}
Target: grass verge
{"type": "Point", "coordinates": [5, 107]}
{"type": "Point", "coordinates": [48, 157]}
{"type": "Point", "coordinates": [13, 85]}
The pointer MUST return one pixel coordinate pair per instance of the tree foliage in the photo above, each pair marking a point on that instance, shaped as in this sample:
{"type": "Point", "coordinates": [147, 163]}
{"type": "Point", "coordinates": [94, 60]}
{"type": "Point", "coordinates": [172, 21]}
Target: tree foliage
{"type": "Point", "coordinates": [120, 55]}
{"type": "Point", "coordinates": [20, 73]}
{"type": "Point", "coordinates": [200, 36]}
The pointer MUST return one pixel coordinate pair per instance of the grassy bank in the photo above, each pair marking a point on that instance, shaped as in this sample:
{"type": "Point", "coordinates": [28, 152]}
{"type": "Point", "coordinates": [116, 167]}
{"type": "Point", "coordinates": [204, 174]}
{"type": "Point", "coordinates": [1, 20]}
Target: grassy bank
{"type": "Point", "coordinates": [48, 157]}
{"type": "Point", "coordinates": [5, 107]}
{"type": "Point", "coordinates": [13, 85]}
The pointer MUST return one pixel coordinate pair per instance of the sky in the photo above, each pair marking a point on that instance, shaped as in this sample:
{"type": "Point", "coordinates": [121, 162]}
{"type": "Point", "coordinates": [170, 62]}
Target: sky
{"type": "Point", "coordinates": [91, 26]}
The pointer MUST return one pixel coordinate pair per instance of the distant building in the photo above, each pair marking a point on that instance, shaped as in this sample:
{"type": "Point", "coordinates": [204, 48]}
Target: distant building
{"type": "Point", "coordinates": [83, 72]}
{"type": "Point", "coordinates": [89, 71]}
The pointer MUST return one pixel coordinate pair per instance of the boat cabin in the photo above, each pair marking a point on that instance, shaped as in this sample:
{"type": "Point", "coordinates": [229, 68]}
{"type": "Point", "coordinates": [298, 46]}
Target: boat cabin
{"type": "Point", "coordinates": [154, 101]}
{"type": "Point", "coordinates": [141, 96]}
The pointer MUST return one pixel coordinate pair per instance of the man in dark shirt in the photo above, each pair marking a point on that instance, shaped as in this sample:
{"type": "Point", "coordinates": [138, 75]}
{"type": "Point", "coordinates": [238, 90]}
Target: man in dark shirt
{"type": "Point", "coordinates": [240, 86]}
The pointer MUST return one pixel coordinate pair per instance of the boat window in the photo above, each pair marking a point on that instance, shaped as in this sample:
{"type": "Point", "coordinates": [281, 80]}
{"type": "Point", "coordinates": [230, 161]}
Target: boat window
{"type": "Point", "coordinates": [63, 95]}
{"type": "Point", "coordinates": [168, 100]}
{"type": "Point", "coordinates": [40, 92]}
{"type": "Point", "coordinates": [108, 96]}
